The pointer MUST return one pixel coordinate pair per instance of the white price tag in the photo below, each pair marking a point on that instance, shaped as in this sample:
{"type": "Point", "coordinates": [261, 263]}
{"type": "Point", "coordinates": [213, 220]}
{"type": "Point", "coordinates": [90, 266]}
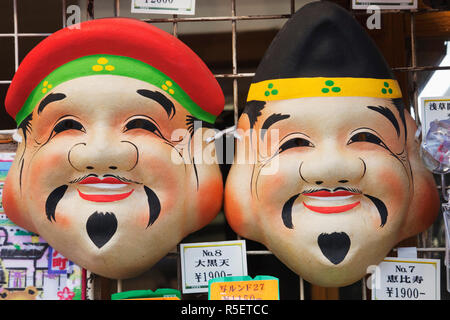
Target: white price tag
{"type": "Point", "coordinates": [385, 4]}
{"type": "Point", "coordinates": [407, 279]}
{"type": "Point", "coordinates": [201, 262]}
{"type": "Point", "coordinates": [163, 6]}
{"type": "Point", "coordinates": [433, 108]}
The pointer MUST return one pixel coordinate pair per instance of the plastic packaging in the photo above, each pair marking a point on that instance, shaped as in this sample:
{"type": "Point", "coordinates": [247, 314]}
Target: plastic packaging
{"type": "Point", "coordinates": [435, 147]}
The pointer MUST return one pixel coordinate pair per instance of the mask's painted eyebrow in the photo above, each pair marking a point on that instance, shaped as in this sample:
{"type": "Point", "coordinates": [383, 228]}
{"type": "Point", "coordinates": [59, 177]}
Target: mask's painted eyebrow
{"type": "Point", "coordinates": [52, 97]}
{"type": "Point", "coordinates": [271, 120]}
{"type": "Point", "coordinates": [388, 114]}
{"type": "Point", "coordinates": [161, 99]}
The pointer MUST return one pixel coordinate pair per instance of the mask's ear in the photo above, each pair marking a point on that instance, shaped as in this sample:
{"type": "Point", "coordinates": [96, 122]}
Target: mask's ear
{"type": "Point", "coordinates": [13, 197]}
{"type": "Point", "coordinates": [425, 203]}
{"type": "Point", "coordinates": [204, 184]}
{"type": "Point", "coordinates": [238, 187]}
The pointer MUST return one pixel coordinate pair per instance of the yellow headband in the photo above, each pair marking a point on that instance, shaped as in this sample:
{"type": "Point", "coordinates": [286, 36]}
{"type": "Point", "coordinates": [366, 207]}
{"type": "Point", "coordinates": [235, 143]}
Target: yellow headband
{"type": "Point", "coordinates": [292, 88]}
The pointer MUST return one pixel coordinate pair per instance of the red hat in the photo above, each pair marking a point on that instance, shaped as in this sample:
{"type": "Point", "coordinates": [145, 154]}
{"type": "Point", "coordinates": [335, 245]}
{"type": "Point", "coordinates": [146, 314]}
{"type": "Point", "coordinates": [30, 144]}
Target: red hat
{"type": "Point", "coordinates": [121, 37]}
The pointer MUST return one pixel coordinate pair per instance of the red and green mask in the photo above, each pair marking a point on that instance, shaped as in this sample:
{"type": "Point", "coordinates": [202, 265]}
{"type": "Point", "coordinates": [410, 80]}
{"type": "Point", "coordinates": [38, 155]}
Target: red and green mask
{"type": "Point", "coordinates": [105, 172]}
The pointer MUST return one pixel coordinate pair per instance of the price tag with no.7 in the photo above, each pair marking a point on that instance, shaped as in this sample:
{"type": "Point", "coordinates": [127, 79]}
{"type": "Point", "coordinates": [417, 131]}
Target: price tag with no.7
{"type": "Point", "coordinates": [406, 279]}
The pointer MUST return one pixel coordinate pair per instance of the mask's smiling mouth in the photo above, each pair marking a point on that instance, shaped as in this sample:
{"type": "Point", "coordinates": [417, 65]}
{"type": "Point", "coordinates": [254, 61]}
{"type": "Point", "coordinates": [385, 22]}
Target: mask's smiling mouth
{"type": "Point", "coordinates": [331, 201]}
{"type": "Point", "coordinates": [108, 189]}
{"type": "Point", "coordinates": [328, 202]}
{"type": "Point", "coordinates": [105, 183]}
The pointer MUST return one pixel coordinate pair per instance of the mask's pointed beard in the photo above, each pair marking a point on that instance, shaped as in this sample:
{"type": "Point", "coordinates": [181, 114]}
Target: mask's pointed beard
{"type": "Point", "coordinates": [53, 200]}
{"type": "Point", "coordinates": [101, 227]}
{"type": "Point", "coordinates": [334, 246]}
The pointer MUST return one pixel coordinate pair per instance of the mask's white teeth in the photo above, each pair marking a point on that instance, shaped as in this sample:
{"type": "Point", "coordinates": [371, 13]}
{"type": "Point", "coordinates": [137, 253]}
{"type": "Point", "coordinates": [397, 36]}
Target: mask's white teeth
{"type": "Point", "coordinates": [330, 198]}
{"type": "Point", "coordinates": [106, 185]}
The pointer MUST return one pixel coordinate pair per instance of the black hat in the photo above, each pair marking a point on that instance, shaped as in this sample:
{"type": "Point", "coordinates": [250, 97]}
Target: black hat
{"type": "Point", "coordinates": [322, 51]}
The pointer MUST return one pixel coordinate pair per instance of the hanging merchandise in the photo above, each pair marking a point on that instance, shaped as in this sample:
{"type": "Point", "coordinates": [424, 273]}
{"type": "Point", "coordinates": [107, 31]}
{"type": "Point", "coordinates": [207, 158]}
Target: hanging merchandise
{"type": "Point", "coordinates": [435, 148]}
{"type": "Point", "coordinates": [446, 216]}
{"type": "Point", "coordinates": [327, 174]}
{"type": "Point", "coordinates": [109, 114]}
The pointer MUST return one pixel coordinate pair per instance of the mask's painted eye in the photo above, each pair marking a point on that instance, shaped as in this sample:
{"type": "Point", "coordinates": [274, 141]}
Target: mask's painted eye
{"type": "Point", "coordinates": [140, 123]}
{"type": "Point", "coordinates": [294, 143]}
{"type": "Point", "coordinates": [68, 124]}
{"type": "Point", "coordinates": [366, 137]}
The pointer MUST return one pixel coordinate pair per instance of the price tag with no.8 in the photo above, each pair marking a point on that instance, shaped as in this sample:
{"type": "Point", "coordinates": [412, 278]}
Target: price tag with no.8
{"type": "Point", "coordinates": [163, 6]}
{"type": "Point", "coordinates": [201, 262]}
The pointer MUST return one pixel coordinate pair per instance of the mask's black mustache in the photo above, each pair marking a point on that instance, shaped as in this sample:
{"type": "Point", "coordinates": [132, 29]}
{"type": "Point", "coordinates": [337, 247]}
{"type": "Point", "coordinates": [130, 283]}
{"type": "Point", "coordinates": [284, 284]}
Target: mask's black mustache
{"type": "Point", "coordinates": [153, 204]}
{"type": "Point", "coordinates": [82, 178]}
{"type": "Point", "coordinates": [353, 190]}
{"type": "Point", "coordinates": [381, 207]}
{"type": "Point", "coordinates": [286, 213]}
{"type": "Point", "coordinates": [123, 179]}
{"type": "Point", "coordinates": [52, 201]}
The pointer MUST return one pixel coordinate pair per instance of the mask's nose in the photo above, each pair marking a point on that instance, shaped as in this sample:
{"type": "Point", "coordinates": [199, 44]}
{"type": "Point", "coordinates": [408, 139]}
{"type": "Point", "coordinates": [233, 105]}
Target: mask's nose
{"type": "Point", "coordinates": [104, 155]}
{"type": "Point", "coordinates": [330, 167]}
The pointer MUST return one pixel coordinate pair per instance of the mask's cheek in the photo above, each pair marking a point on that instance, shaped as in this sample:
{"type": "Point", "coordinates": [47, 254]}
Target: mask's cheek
{"type": "Point", "coordinates": [209, 199]}
{"type": "Point", "coordinates": [276, 184]}
{"type": "Point", "coordinates": [46, 171]}
{"type": "Point", "coordinates": [15, 192]}
{"type": "Point", "coordinates": [234, 211]}
{"type": "Point", "coordinates": [142, 219]}
{"type": "Point", "coordinates": [166, 181]}
{"type": "Point", "coordinates": [63, 221]}
{"type": "Point", "coordinates": [42, 173]}
{"type": "Point", "coordinates": [13, 202]}
{"type": "Point", "coordinates": [273, 188]}
{"type": "Point", "coordinates": [393, 189]}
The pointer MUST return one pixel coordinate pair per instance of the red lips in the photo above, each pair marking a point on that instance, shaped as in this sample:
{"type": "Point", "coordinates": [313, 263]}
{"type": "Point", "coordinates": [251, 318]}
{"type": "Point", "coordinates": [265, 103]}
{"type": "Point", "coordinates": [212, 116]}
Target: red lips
{"type": "Point", "coordinates": [328, 195]}
{"type": "Point", "coordinates": [94, 180]}
{"type": "Point", "coordinates": [107, 189]}
{"type": "Point", "coordinates": [325, 193]}
{"type": "Point", "coordinates": [104, 197]}
{"type": "Point", "coordinates": [328, 210]}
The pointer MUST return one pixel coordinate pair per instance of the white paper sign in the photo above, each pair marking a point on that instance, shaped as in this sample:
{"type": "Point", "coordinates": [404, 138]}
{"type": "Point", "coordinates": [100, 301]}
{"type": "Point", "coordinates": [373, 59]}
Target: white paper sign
{"type": "Point", "coordinates": [163, 6]}
{"type": "Point", "coordinates": [385, 4]}
{"type": "Point", "coordinates": [201, 262]}
{"type": "Point", "coordinates": [407, 279]}
{"type": "Point", "coordinates": [433, 108]}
